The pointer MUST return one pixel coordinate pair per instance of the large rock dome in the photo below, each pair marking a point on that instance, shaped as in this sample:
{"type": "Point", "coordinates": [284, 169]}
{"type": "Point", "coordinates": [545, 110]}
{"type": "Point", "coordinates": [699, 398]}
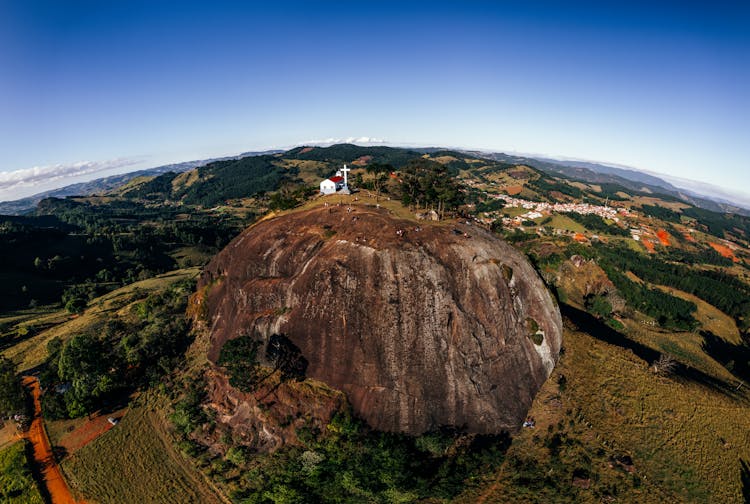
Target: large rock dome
{"type": "Point", "coordinates": [420, 325]}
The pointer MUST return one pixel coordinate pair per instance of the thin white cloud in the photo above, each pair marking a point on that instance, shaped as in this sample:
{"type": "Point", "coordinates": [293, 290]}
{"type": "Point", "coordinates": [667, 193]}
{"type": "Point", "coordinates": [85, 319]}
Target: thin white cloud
{"type": "Point", "coordinates": [43, 175]}
{"type": "Point", "coordinates": [352, 140]}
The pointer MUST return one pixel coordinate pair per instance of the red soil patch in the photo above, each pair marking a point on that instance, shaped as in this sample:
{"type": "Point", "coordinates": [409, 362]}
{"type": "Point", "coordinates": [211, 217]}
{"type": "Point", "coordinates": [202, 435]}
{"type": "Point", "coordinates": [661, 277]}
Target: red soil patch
{"type": "Point", "coordinates": [663, 237]}
{"type": "Point", "coordinates": [580, 238]}
{"type": "Point", "coordinates": [557, 195]}
{"type": "Point", "coordinates": [362, 161]}
{"type": "Point", "coordinates": [724, 251]}
{"type": "Point", "coordinates": [86, 433]}
{"type": "Point", "coordinates": [513, 190]}
{"type": "Point", "coordinates": [306, 149]}
{"type": "Point", "coordinates": [689, 237]}
{"type": "Point", "coordinates": [649, 246]}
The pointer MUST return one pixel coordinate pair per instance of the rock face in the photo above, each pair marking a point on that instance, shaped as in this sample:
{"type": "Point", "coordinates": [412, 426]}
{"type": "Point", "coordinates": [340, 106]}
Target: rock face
{"type": "Point", "coordinates": [420, 327]}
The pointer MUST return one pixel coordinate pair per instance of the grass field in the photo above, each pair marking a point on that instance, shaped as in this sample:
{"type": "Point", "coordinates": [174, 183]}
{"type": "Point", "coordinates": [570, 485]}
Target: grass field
{"type": "Point", "coordinates": [71, 435]}
{"type": "Point", "coordinates": [16, 483]}
{"type": "Point", "coordinates": [57, 430]}
{"type": "Point", "coordinates": [711, 318]}
{"type": "Point", "coordinates": [562, 222]}
{"type": "Point", "coordinates": [137, 462]}
{"type": "Point", "coordinates": [514, 211]}
{"type": "Point", "coordinates": [684, 346]}
{"type": "Point", "coordinates": [187, 257]}
{"type": "Point", "coordinates": [686, 441]}
{"type": "Point", "coordinates": [647, 200]}
{"type": "Point", "coordinates": [687, 346]}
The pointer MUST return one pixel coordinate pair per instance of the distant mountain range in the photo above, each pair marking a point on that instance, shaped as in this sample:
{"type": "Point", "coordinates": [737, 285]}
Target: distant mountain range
{"type": "Point", "coordinates": [709, 198]}
{"type": "Point", "coordinates": [630, 178]}
{"type": "Point", "coordinates": [104, 184]}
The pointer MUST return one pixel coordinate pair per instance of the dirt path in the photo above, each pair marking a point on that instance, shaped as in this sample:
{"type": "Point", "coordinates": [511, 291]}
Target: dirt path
{"type": "Point", "coordinates": [43, 457]}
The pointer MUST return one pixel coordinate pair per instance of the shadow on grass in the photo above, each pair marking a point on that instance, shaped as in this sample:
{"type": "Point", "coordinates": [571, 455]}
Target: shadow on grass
{"type": "Point", "coordinates": [115, 401]}
{"type": "Point", "coordinates": [745, 478]}
{"type": "Point", "coordinates": [735, 358]}
{"type": "Point", "coordinates": [599, 330]}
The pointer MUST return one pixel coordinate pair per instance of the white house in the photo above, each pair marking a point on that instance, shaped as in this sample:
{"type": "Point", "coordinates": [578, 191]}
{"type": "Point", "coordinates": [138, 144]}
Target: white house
{"type": "Point", "coordinates": [331, 185]}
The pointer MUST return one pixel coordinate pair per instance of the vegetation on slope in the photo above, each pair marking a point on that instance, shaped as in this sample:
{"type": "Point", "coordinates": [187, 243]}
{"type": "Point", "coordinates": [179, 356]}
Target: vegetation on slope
{"type": "Point", "coordinates": [347, 153]}
{"type": "Point", "coordinates": [11, 393]}
{"type": "Point", "coordinates": [351, 463]}
{"type": "Point", "coordinates": [428, 184]}
{"type": "Point", "coordinates": [720, 289]}
{"type": "Point", "coordinates": [608, 429]}
{"type": "Point", "coordinates": [128, 351]}
{"type": "Point", "coordinates": [17, 486]}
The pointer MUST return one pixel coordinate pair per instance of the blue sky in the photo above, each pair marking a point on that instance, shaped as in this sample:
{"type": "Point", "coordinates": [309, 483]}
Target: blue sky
{"type": "Point", "coordinates": [91, 88]}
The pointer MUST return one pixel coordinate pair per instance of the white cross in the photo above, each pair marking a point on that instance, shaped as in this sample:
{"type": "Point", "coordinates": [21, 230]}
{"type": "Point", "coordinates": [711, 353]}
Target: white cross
{"type": "Point", "coordinates": [345, 170]}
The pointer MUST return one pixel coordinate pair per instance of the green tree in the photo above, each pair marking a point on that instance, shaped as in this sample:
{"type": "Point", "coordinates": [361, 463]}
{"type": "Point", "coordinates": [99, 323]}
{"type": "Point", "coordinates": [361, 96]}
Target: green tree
{"type": "Point", "coordinates": [240, 357]}
{"type": "Point", "coordinates": [598, 305]}
{"type": "Point", "coordinates": [11, 393]}
{"type": "Point", "coordinates": [83, 363]}
{"type": "Point", "coordinates": [430, 184]}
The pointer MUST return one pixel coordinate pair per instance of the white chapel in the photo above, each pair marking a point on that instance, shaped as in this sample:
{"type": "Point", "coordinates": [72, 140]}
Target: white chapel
{"type": "Point", "coordinates": [339, 183]}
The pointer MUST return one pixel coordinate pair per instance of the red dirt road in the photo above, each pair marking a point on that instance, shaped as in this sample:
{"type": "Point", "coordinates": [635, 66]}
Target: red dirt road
{"type": "Point", "coordinates": [43, 458]}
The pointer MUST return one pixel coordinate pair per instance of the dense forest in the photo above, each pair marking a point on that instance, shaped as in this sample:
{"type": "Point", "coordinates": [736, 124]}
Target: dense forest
{"type": "Point", "coordinates": [73, 242]}
{"type": "Point", "coordinates": [346, 153]}
{"type": "Point", "coordinates": [217, 182]}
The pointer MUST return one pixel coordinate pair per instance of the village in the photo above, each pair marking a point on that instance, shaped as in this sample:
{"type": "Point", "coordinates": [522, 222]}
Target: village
{"type": "Point", "coordinates": [537, 216]}
{"type": "Point", "coordinates": [539, 209]}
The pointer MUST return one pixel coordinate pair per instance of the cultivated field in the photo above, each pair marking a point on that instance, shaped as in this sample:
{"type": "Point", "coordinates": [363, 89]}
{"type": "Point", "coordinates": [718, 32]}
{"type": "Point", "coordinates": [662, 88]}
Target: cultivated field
{"type": "Point", "coordinates": [136, 462]}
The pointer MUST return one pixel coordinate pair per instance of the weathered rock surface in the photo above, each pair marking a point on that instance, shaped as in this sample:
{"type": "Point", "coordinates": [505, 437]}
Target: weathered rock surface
{"type": "Point", "coordinates": [438, 325]}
